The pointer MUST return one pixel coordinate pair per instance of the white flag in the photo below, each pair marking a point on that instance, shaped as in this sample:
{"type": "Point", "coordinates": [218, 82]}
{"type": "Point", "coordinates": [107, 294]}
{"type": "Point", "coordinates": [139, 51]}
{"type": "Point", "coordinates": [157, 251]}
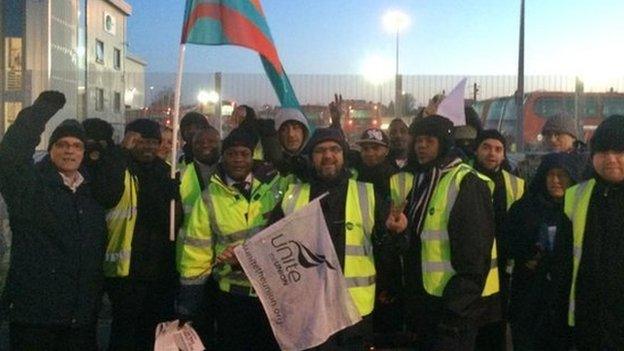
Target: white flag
{"type": "Point", "coordinates": [295, 271]}
{"type": "Point", "coordinates": [171, 337]}
{"type": "Point", "coordinates": [452, 107]}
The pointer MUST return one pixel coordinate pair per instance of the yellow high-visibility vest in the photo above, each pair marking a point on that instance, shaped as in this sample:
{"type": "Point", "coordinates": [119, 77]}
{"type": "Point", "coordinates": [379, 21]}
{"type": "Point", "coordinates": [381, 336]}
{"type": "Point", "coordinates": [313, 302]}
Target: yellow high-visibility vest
{"type": "Point", "coordinates": [400, 186]}
{"type": "Point", "coordinates": [514, 188]}
{"type": "Point", "coordinates": [437, 269]}
{"type": "Point", "coordinates": [120, 222]}
{"type": "Point", "coordinates": [359, 264]}
{"type": "Point", "coordinates": [190, 188]}
{"type": "Point", "coordinates": [576, 204]}
{"type": "Point", "coordinates": [220, 218]}
{"type": "Point", "coordinates": [258, 152]}
{"type": "Point", "coordinates": [190, 191]}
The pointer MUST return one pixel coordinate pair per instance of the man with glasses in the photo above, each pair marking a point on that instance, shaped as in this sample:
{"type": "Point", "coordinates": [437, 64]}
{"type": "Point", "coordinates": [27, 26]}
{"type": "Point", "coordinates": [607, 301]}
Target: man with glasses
{"type": "Point", "coordinates": [352, 213]}
{"type": "Point", "coordinates": [561, 135]}
{"type": "Point", "coordinates": [55, 276]}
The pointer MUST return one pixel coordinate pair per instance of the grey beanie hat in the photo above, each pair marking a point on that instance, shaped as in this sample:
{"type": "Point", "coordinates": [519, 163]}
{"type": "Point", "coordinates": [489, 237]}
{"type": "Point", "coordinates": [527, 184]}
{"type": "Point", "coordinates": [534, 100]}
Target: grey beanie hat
{"type": "Point", "coordinates": [561, 124]}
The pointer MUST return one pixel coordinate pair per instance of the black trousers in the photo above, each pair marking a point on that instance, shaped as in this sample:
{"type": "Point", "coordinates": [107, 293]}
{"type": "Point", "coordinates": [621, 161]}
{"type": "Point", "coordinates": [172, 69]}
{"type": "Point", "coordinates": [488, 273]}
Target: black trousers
{"type": "Point", "coordinates": [138, 307]}
{"type": "Point", "coordinates": [492, 337]}
{"type": "Point", "coordinates": [357, 337]}
{"type": "Point", "coordinates": [205, 321]}
{"type": "Point", "coordinates": [27, 337]}
{"type": "Point", "coordinates": [242, 324]}
{"type": "Point", "coordinates": [425, 324]}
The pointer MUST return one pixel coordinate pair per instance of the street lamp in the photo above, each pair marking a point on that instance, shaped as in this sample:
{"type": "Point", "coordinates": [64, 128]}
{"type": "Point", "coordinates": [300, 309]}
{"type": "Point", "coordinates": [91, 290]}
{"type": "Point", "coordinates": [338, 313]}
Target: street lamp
{"type": "Point", "coordinates": [202, 97]}
{"type": "Point", "coordinates": [395, 21]}
{"type": "Point", "coordinates": [377, 70]}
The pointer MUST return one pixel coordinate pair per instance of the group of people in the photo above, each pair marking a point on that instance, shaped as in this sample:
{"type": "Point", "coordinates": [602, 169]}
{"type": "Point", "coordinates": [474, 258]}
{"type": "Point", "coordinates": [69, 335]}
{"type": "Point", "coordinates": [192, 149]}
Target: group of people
{"type": "Point", "coordinates": [442, 245]}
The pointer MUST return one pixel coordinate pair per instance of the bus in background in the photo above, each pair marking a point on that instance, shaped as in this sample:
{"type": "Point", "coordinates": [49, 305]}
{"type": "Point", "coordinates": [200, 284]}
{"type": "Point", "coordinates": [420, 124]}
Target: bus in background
{"type": "Point", "coordinates": [500, 113]}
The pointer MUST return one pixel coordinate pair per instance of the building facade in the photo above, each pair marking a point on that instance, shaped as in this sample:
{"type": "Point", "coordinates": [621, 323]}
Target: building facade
{"type": "Point", "coordinates": [78, 47]}
{"type": "Point", "coordinates": [135, 82]}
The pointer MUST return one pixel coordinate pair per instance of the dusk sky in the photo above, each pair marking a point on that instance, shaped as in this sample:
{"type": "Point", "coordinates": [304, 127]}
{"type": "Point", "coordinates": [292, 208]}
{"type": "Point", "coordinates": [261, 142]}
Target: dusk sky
{"type": "Point", "coordinates": [444, 37]}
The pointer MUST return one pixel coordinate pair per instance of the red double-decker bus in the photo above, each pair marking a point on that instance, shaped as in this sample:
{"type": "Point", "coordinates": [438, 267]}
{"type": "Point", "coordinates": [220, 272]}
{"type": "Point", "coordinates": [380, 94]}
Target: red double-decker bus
{"type": "Point", "coordinates": [500, 113]}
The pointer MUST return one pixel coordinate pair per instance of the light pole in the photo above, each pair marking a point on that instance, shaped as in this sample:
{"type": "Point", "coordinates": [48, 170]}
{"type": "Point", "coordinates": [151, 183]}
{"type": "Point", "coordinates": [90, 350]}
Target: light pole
{"type": "Point", "coordinates": [395, 21]}
{"type": "Point", "coordinates": [377, 70]}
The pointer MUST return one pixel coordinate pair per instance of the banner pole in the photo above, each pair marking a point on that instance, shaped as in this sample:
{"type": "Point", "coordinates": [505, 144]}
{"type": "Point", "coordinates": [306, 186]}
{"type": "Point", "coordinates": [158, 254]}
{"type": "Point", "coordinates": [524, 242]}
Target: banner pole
{"type": "Point", "coordinates": [175, 123]}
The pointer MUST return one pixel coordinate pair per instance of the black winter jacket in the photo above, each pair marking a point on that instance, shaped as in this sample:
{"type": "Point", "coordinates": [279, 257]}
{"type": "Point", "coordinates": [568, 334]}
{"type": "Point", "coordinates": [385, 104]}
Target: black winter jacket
{"type": "Point", "coordinates": [55, 275]}
{"type": "Point", "coordinates": [600, 282]}
{"type": "Point", "coordinates": [471, 232]}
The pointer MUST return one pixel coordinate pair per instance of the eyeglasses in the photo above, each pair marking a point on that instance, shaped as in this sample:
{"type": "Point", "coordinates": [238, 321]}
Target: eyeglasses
{"type": "Point", "coordinates": [69, 145]}
{"type": "Point", "coordinates": [335, 149]}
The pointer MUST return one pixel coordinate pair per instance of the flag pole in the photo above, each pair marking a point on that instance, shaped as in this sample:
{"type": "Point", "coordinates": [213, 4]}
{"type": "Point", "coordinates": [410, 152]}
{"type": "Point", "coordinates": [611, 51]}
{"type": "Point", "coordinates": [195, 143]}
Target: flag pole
{"type": "Point", "coordinates": [175, 123]}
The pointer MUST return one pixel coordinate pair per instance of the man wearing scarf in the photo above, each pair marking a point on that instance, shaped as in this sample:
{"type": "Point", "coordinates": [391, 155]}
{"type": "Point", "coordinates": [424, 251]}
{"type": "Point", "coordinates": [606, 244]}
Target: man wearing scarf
{"type": "Point", "coordinates": [450, 261]}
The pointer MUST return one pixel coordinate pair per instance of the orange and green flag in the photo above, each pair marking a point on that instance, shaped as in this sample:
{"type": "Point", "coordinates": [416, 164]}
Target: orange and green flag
{"type": "Point", "coordinates": [242, 23]}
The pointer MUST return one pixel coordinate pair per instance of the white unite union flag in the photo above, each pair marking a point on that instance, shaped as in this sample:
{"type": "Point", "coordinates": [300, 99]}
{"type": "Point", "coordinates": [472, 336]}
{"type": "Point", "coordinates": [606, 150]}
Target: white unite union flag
{"type": "Point", "coordinates": [295, 272]}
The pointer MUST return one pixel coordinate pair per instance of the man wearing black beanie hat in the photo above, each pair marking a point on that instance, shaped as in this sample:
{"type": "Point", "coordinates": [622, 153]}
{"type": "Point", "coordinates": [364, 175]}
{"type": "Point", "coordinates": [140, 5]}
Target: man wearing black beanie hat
{"type": "Point", "coordinates": [428, 150]}
{"type": "Point", "coordinates": [99, 131]}
{"type": "Point", "coordinates": [451, 275]}
{"type": "Point", "coordinates": [268, 146]}
{"type": "Point", "coordinates": [54, 286]}
{"type": "Point", "coordinates": [354, 214]}
{"type": "Point", "coordinates": [489, 157]}
{"type": "Point", "coordinates": [140, 259]}
{"type": "Point", "coordinates": [592, 237]}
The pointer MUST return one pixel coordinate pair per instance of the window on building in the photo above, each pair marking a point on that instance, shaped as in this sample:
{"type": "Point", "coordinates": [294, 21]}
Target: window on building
{"type": "Point", "coordinates": [99, 99]}
{"type": "Point", "coordinates": [117, 58]}
{"type": "Point", "coordinates": [99, 51]}
{"type": "Point", "coordinates": [117, 101]}
{"type": "Point", "coordinates": [613, 106]}
{"type": "Point", "coordinates": [547, 107]}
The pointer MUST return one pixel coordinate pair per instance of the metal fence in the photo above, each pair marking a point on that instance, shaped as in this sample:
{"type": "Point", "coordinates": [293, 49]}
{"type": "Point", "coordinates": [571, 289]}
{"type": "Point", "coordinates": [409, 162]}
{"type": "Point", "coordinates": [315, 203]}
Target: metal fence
{"type": "Point", "coordinates": [317, 89]}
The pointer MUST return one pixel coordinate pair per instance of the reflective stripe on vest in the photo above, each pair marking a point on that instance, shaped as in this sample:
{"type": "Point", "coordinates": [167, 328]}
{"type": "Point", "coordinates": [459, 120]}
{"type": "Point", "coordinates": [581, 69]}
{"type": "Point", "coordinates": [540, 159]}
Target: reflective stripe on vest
{"type": "Point", "coordinates": [577, 200]}
{"type": "Point", "coordinates": [258, 153]}
{"type": "Point", "coordinates": [120, 222]}
{"type": "Point", "coordinates": [400, 186]}
{"type": "Point", "coordinates": [190, 189]}
{"type": "Point", "coordinates": [437, 269]}
{"type": "Point", "coordinates": [221, 218]}
{"type": "Point", "coordinates": [359, 266]}
{"type": "Point", "coordinates": [514, 188]}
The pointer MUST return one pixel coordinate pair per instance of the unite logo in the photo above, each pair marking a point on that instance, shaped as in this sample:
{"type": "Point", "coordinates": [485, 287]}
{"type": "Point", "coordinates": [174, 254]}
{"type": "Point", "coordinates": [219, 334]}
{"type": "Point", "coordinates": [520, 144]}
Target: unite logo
{"type": "Point", "coordinates": [291, 256]}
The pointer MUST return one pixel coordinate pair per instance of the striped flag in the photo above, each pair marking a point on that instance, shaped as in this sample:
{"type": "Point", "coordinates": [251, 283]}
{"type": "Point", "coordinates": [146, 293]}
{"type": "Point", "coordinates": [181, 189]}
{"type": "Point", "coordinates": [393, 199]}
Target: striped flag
{"type": "Point", "coordinates": [242, 23]}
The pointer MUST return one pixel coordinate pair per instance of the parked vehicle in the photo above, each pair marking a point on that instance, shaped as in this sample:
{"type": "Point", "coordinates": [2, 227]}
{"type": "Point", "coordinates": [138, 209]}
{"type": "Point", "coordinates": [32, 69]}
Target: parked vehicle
{"type": "Point", "coordinates": [500, 113]}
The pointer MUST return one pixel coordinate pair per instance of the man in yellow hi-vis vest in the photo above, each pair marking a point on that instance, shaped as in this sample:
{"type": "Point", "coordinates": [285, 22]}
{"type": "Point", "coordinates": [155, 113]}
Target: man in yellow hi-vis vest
{"type": "Point", "coordinates": [451, 268]}
{"type": "Point", "coordinates": [235, 205]}
{"type": "Point", "coordinates": [190, 124]}
{"type": "Point", "coordinates": [350, 209]}
{"type": "Point", "coordinates": [139, 264]}
{"type": "Point", "coordinates": [489, 157]}
{"type": "Point", "coordinates": [205, 148]}
{"type": "Point", "coordinates": [592, 245]}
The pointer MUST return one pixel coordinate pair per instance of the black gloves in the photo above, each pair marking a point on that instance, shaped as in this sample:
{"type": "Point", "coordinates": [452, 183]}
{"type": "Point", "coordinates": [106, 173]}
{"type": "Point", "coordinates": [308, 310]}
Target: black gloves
{"type": "Point", "coordinates": [48, 104]}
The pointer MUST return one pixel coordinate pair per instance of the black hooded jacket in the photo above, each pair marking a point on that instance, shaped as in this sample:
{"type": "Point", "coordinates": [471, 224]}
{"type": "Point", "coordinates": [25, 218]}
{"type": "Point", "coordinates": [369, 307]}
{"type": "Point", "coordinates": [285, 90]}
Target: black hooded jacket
{"type": "Point", "coordinates": [536, 302]}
